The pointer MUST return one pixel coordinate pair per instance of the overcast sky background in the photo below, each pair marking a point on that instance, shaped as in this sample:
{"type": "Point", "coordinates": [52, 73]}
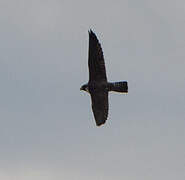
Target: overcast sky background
{"type": "Point", "coordinates": [47, 129]}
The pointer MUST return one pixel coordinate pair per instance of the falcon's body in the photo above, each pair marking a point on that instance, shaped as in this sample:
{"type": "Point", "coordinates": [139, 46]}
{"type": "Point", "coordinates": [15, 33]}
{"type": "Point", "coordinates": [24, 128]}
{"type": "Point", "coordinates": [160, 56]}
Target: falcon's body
{"type": "Point", "coordinates": [98, 86]}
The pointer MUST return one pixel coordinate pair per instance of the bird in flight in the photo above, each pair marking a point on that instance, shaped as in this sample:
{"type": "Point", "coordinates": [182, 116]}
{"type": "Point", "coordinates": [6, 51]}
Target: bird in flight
{"type": "Point", "coordinates": [98, 87]}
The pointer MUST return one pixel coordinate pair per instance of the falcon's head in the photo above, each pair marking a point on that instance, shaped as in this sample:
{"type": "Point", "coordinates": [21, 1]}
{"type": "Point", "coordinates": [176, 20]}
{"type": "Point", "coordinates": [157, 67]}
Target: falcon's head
{"type": "Point", "coordinates": [85, 88]}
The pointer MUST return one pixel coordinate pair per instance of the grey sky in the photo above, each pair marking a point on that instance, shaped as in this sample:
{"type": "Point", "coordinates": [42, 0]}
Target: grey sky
{"type": "Point", "coordinates": [47, 129]}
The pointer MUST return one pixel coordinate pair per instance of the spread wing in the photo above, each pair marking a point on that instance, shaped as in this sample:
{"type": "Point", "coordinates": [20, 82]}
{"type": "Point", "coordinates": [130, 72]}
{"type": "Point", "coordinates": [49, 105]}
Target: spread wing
{"type": "Point", "coordinates": [96, 62]}
{"type": "Point", "coordinates": [100, 106]}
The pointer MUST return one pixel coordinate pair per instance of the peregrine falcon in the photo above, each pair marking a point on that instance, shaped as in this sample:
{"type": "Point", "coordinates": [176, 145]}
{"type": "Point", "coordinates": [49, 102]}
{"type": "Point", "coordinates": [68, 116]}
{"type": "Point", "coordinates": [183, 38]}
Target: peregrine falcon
{"type": "Point", "coordinates": [98, 86]}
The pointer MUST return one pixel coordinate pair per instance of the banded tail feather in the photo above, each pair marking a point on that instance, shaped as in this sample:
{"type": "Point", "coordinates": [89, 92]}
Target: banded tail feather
{"type": "Point", "coordinates": [118, 86]}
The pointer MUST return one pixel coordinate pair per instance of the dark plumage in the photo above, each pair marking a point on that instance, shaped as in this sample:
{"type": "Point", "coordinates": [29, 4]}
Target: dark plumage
{"type": "Point", "coordinates": [98, 86]}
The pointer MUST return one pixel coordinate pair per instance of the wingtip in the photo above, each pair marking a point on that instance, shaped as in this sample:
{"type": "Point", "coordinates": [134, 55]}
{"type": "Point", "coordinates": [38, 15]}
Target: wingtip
{"type": "Point", "coordinates": [90, 31]}
{"type": "Point", "coordinates": [92, 34]}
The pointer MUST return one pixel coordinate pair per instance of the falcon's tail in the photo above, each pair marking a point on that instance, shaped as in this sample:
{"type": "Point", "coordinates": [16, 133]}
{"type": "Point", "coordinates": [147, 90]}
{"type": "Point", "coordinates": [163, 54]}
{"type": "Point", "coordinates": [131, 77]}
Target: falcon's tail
{"type": "Point", "coordinates": [119, 87]}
